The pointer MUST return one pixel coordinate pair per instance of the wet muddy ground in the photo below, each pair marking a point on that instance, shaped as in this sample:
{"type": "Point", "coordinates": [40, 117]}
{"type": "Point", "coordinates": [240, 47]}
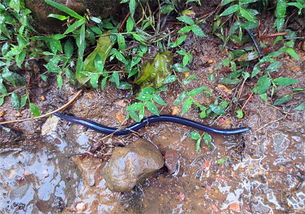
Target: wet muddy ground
{"type": "Point", "coordinates": [60, 171]}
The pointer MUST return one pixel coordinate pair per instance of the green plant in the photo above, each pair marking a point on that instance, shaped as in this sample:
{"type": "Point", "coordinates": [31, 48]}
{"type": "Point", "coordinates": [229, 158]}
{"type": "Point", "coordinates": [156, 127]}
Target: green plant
{"type": "Point", "coordinates": [205, 137]}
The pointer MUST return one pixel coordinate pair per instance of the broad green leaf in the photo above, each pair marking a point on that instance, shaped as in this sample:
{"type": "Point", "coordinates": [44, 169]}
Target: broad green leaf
{"type": "Point", "coordinates": [217, 109]}
{"type": "Point", "coordinates": [94, 77]}
{"type": "Point", "coordinates": [185, 29]}
{"type": "Point", "coordinates": [121, 41]}
{"type": "Point", "coordinates": [222, 160]}
{"type": "Point", "coordinates": [180, 68]}
{"type": "Point", "coordinates": [129, 24]}
{"type": "Point", "coordinates": [68, 47]}
{"type": "Point", "coordinates": [115, 78]}
{"type": "Point", "coordinates": [225, 2]}
{"type": "Point", "coordinates": [239, 113]}
{"type": "Point", "coordinates": [132, 7]}
{"type": "Point", "coordinates": [186, 19]}
{"type": "Point", "coordinates": [15, 101]}
{"type": "Point", "coordinates": [99, 63]}
{"type": "Point", "coordinates": [187, 105]}
{"type": "Point", "coordinates": [180, 98]}
{"type": "Point", "coordinates": [154, 74]}
{"type": "Point", "coordinates": [230, 10]}
{"type": "Point", "coordinates": [1, 100]}
{"type": "Point", "coordinates": [24, 98]}
{"type": "Point", "coordinates": [158, 99]}
{"type": "Point", "coordinates": [292, 53]}
{"type": "Point", "coordinates": [3, 90]}
{"type": "Point", "coordinates": [64, 8]}
{"type": "Point", "coordinates": [135, 107]}
{"type": "Point", "coordinates": [152, 108]}
{"type": "Point", "coordinates": [179, 41]}
{"type": "Point", "coordinates": [198, 31]}
{"type": "Point", "coordinates": [170, 79]}
{"type": "Point", "coordinates": [244, 13]}
{"type": "Point", "coordinates": [207, 140]}
{"type": "Point", "coordinates": [195, 135]}
{"type": "Point", "coordinates": [59, 81]}
{"type": "Point", "coordinates": [146, 94]}
{"type": "Point", "coordinates": [138, 37]}
{"type": "Point", "coordinates": [196, 91]}
{"type": "Point", "coordinates": [282, 100]}
{"type": "Point", "coordinates": [74, 26]}
{"type": "Point", "coordinates": [104, 45]}
{"type": "Point", "coordinates": [262, 85]}
{"type": "Point", "coordinates": [35, 110]}
{"type": "Point", "coordinates": [300, 107]}
{"type": "Point", "coordinates": [284, 81]}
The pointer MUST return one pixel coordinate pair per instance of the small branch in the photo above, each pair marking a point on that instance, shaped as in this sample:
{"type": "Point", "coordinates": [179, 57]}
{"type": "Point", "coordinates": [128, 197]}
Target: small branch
{"type": "Point", "coordinates": [267, 124]}
{"type": "Point", "coordinates": [47, 114]}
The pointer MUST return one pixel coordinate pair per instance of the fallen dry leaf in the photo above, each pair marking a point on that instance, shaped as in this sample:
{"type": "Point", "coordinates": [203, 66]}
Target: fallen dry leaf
{"type": "Point", "coordinates": [235, 207]}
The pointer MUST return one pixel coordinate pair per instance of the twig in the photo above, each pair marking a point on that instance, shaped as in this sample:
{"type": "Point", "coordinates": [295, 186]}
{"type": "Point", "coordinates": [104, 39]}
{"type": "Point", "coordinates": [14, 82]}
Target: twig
{"type": "Point", "coordinates": [267, 124]}
{"type": "Point", "coordinates": [247, 101]}
{"type": "Point", "coordinates": [47, 114]}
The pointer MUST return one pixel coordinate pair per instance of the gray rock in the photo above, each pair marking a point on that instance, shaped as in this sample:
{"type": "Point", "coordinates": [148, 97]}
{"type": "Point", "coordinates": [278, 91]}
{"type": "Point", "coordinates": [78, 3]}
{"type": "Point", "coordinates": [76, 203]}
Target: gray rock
{"type": "Point", "coordinates": [132, 164]}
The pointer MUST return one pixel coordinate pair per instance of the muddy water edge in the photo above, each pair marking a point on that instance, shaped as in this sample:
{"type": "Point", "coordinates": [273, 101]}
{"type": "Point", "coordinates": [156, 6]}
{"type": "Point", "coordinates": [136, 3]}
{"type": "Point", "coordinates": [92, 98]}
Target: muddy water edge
{"type": "Point", "coordinates": [61, 171]}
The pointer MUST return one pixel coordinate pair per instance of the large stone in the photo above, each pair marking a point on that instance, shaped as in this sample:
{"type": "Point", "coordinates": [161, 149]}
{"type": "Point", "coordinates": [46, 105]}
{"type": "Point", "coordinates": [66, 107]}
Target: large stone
{"type": "Point", "coordinates": [132, 164]}
{"type": "Point", "coordinates": [41, 10]}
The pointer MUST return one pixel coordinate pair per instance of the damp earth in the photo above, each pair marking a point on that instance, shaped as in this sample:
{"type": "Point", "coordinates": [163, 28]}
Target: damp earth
{"type": "Point", "coordinates": [52, 166]}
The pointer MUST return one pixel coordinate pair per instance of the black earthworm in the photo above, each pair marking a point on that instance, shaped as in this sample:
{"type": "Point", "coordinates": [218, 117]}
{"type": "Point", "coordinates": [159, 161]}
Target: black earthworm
{"type": "Point", "coordinates": [153, 119]}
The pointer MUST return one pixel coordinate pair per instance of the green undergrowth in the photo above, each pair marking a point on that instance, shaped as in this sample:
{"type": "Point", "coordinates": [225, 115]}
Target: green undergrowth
{"type": "Point", "coordinates": [96, 52]}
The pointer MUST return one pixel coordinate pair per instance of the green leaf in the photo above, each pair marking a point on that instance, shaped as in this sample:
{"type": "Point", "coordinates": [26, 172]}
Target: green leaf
{"type": "Point", "coordinates": [217, 109]}
{"type": "Point", "coordinates": [178, 42]}
{"type": "Point", "coordinates": [239, 113]}
{"type": "Point", "coordinates": [300, 107]}
{"type": "Point", "coordinates": [180, 98]}
{"type": "Point", "coordinates": [3, 90]}
{"type": "Point", "coordinates": [59, 17]}
{"type": "Point", "coordinates": [121, 41]}
{"type": "Point", "coordinates": [23, 100]}
{"type": "Point", "coordinates": [1, 100]}
{"type": "Point", "coordinates": [138, 37]}
{"type": "Point", "coordinates": [103, 48]}
{"type": "Point", "coordinates": [158, 99]}
{"type": "Point", "coordinates": [74, 26]}
{"type": "Point", "coordinates": [185, 29]}
{"type": "Point", "coordinates": [197, 91]}
{"type": "Point", "coordinates": [180, 68]}
{"type": "Point", "coordinates": [186, 19]}
{"type": "Point", "coordinates": [170, 79]}
{"type": "Point", "coordinates": [195, 135]}
{"type": "Point", "coordinates": [59, 81]}
{"type": "Point", "coordinates": [146, 94]}
{"type": "Point", "coordinates": [230, 10]}
{"type": "Point", "coordinates": [115, 78]}
{"type": "Point", "coordinates": [284, 81]}
{"type": "Point", "coordinates": [198, 31]}
{"type": "Point", "coordinates": [222, 160]}
{"type": "Point", "coordinates": [64, 9]}
{"type": "Point", "coordinates": [225, 2]}
{"type": "Point", "coordinates": [207, 140]}
{"type": "Point", "coordinates": [132, 7]}
{"type": "Point", "coordinates": [282, 100]}
{"type": "Point", "coordinates": [292, 53]}
{"type": "Point", "coordinates": [35, 110]}
{"type": "Point", "coordinates": [152, 108]}
{"type": "Point", "coordinates": [187, 105]}
{"type": "Point", "coordinates": [68, 47]}
{"type": "Point", "coordinates": [15, 101]}
{"type": "Point", "coordinates": [129, 24]}
{"type": "Point", "coordinates": [244, 13]}
{"type": "Point", "coordinates": [262, 85]}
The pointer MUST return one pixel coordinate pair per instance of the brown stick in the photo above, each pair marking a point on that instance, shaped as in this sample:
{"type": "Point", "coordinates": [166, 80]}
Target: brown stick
{"type": "Point", "coordinates": [47, 114]}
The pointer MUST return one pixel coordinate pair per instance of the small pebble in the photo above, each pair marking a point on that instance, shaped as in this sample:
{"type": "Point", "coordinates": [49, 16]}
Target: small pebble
{"type": "Point", "coordinates": [81, 206]}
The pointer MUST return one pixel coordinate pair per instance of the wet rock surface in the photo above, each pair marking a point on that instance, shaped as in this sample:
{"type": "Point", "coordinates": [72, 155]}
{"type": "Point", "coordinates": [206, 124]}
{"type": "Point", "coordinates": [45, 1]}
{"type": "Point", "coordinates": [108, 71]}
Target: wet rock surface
{"type": "Point", "coordinates": [131, 165]}
{"type": "Point", "coordinates": [41, 10]}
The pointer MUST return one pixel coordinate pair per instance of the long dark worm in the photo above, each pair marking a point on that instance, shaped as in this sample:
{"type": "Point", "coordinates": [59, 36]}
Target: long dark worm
{"type": "Point", "coordinates": [153, 119]}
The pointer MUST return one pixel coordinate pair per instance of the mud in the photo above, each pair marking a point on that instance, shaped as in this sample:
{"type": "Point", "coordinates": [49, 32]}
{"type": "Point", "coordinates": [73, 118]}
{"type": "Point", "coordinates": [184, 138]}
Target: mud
{"type": "Point", "coordinates": [264, 170]}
